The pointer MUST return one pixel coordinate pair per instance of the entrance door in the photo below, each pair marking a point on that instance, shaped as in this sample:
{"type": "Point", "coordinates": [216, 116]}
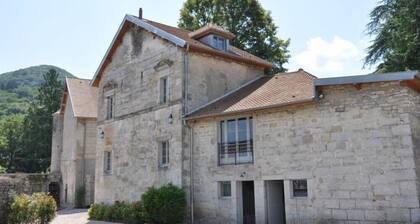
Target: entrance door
{"type": "Point", "coordinates": [54, 189]}
{"type": "Point", "coordinates": [248, 201]}
{"type": "Point", "coordinates": [276, 213]}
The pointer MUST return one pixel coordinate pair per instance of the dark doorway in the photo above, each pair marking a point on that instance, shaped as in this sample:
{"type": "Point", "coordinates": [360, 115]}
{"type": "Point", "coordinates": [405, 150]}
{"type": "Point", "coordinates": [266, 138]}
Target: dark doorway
{"type": "Point", "coordinates": [54, 189]}
{"type": "Point", "coordinates": [248, 201]}
{"type": "Point", "coordinates": [276, 213]}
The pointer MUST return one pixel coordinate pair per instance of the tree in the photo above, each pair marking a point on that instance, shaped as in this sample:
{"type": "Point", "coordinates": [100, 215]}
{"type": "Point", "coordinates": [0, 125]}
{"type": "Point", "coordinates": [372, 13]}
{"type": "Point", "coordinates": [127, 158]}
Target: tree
{"type": "Point", "coordinates": [11, 132]}
{"type": "Point", "coordinates": [38, 124]}
{"type": "Point", "coordinates": [396, 27]}
{"type": "Point", "coordinates": [252, 25]}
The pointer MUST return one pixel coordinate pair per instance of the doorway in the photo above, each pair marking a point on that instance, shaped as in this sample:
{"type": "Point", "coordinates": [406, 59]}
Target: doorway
{"type": "Point", "coordinates": [54, 190]}
{"type": "Point", "coordinates": [248, 202]}
{"type": "Point", "coordinates": [276, 213]}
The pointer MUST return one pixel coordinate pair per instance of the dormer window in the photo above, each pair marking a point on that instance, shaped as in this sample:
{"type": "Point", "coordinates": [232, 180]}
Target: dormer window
{"type": "Point", "coordinates": [219, 43]}
{"type": "Point", "coordinates": [213, 36]}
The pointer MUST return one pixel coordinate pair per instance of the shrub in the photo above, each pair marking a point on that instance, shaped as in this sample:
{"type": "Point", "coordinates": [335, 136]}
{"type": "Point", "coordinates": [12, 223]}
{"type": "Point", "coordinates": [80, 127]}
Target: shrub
{"type": "Point", "coordinates": [80, 197]}
{"type": "Point", "coordinates": [119, 212]}
{"type": "Point", "coordinates": [38, 208]}
{"type": "Point", "coordinates": [164, 205]}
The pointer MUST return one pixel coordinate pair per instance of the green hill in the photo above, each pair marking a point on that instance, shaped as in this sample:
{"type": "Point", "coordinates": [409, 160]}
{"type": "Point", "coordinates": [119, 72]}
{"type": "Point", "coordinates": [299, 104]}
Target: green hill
{"type": "Point", "coordinates": [17, 88]}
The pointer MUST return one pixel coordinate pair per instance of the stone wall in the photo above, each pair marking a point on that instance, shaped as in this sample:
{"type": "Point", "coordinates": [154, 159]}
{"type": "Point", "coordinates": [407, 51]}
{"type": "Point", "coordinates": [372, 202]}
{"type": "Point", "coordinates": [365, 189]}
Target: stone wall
{"type": "Point", "coordinates": [355, 148]}
{"type": "Point", "coordinates": [20, 183]}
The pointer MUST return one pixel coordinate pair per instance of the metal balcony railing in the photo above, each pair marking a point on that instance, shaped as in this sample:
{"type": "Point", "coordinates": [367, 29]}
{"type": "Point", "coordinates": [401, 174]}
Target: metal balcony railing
{"type": "Point", "coordinates": [232, 153]}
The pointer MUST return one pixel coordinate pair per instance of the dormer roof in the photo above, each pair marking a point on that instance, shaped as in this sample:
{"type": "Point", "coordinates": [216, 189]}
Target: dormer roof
{"type": "Point", "coordinates": [211, 29]}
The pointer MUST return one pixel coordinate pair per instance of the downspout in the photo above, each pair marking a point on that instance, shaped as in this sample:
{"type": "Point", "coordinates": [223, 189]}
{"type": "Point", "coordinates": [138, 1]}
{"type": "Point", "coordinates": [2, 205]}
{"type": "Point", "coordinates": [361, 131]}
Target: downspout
{"type": "Point", "coordinates": [185, 111]}
{"type": "Point", "coordinates": [84, 154]}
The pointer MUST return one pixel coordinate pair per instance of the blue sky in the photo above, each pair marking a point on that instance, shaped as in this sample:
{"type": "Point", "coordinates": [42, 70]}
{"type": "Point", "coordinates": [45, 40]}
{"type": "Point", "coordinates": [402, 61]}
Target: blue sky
{"type": "Point", "coordinates": [327, 36]}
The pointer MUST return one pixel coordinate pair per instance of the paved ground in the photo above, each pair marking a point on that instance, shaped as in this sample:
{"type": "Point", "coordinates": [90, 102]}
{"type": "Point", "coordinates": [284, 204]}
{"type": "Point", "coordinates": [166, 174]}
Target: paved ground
{"type": "Point", "coordinates": [74, 216]}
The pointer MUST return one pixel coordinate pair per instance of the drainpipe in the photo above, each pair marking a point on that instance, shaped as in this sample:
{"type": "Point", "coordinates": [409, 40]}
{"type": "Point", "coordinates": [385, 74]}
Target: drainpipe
{"type": "Point", "coordinates": [191, 147]}
{"type": "Point", "coordinates": [84, 154]}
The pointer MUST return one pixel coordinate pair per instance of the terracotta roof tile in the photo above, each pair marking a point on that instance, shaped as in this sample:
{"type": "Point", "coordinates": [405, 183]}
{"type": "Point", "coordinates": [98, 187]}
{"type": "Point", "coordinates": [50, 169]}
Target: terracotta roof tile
{"type": "Point", "coordinates": [83, 97]}
{"type": "Point", "coordinates": [233, 52]}
{"type": "Point", "coordinates": [265, 92]}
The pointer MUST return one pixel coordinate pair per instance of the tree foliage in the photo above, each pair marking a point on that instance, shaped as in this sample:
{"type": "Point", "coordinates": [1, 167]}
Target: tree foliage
{"type": "Point", "coordinates": [38, 124]}
{"type": "Point", "coordinates": [11, 147]}
{"type": "Point", "coordinates": [253, 26]}
{"type": "Point", "coordinates": [395, 24]}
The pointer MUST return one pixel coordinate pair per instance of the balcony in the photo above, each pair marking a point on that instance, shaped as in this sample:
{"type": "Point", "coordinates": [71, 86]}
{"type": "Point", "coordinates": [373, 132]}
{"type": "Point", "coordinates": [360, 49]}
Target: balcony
{"type": "Point", "coordinates": [233, 153]}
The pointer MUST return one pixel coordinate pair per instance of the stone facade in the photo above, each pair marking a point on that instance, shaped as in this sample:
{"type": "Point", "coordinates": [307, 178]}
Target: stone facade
{"type": "Point", "coordinates": [141, 121]}
{"type": "Point", "coordinates": [73, 155]}
{"type": "Point", "coordinates": [357, 149]}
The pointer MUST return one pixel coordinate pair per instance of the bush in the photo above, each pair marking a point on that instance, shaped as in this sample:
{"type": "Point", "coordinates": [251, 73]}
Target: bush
{"type": "Point", "coordinates": [119, 212]}
{"type": "Point", "coordinates": [38, 208]}
{"type": "Point", "coordinates": [80, 197]}
{"type": "Point", "coordinates": [164, 205]}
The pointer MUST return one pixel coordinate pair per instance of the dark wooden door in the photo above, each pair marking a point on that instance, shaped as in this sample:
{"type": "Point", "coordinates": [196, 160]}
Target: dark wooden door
{"type": "Point", "coordinates": [54, 190]}
{"type": "Point", "coordinates": [248, 200]}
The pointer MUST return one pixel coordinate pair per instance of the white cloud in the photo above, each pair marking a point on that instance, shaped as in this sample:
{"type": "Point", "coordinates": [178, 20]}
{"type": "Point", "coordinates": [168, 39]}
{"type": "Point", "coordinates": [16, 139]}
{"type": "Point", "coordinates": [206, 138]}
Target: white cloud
{"type": "Point", "coordinates": [322, 56]}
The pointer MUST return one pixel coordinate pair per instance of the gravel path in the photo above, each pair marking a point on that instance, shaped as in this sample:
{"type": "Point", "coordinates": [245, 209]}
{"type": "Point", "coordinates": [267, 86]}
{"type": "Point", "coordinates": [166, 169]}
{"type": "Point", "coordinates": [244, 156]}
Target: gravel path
{"type": "Point", "coordinates": [74, 216]}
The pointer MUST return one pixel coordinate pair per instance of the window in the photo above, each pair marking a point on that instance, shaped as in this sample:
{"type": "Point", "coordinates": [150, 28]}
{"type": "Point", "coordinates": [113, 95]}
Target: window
{"type": "Point", "coordinates": [164, 91]}
{"type": "Point", "coordinates": [164, 153]}
{"type": "Point", "coordinates": [225, 189]}
{"type": "Point", "coordinates": [219, 43]}
{"type": "Point", "coordinates": [235, 145]}
{"type": "Point", "coordinates": [300, 188]}
{"type": "Point", "coordinates": [109, 107]}
{"type": "Point", "coordinates": [107, 162]}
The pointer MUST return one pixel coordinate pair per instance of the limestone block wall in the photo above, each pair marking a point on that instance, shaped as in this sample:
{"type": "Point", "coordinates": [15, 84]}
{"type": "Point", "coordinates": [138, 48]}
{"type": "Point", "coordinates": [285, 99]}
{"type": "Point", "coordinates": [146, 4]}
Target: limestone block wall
{"type": "Point", "coordinates": [211, 77]}
{"type": "Point", "coordinates": [355, 148]}
{"type": "Point", "coordinates": [57, 142]}
{"type": "Point", "coordinates": [141, 121]}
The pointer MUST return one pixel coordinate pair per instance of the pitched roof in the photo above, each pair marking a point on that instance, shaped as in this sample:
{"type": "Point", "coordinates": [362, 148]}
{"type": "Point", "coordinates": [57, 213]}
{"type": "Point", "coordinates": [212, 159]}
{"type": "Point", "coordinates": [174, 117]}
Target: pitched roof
{"type": "Point", "coordinates": [211, 28]}
{"type": "Point", "coordinates": [82, 96]}
{"type": "Point", "coordinates": [179, 37]}
{"type": "Point", "coordinates": [265, 92]}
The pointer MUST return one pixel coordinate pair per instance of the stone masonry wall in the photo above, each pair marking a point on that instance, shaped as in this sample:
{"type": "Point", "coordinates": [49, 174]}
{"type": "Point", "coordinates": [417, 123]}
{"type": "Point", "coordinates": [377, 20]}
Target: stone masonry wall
{"type": "Point", "coordinates": [355, 148]}
{"type": "Point", "coordinates": [20, 183]}
{"type": "Point", "coordinates": [140, 121]}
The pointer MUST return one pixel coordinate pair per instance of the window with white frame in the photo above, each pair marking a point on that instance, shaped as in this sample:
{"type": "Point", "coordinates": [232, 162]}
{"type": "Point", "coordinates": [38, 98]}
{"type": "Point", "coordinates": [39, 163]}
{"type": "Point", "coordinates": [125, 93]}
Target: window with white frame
{"type": "Point", "coordinates": [164, 153]}
{"type": "Point", "coordinates": [300, 188]}
{"type": "Point", "coordinates": [107, 162]}
{"type": "Point", "coordinates": [164, 90]}
{"type": "Point", "coordinates": [109, 107]}
{"type": "Point", "coordinates": [235, 141]}
{"type": "Point", "coordinates": [225, 189]}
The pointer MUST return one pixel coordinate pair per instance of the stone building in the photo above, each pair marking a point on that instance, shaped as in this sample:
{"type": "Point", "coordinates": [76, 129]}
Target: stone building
{"type": "Point", "coordinates": [187, 108]}
{"type": "Point", "coordinates": [73, 152]}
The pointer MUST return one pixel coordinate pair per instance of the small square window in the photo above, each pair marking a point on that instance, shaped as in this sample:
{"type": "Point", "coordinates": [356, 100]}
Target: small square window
{"type": "Point", "coordinates": [107, 162]}
{"type": "Point", "coordinates": [300, 188]}
{"type": "Point", "coordinates": [164, 153]}
{"type": "Point", "coordinates": [225, 189]}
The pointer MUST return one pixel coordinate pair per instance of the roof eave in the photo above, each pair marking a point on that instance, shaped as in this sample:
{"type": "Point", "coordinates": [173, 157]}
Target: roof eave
{"type": "Point", "coordinates": [250, 109]}
{"type": "Point", "coordinates": [129, 18]}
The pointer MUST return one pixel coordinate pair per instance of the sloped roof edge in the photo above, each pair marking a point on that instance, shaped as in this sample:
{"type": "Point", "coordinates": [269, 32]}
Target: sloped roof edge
{"type": "Point", "coordinates": [161, 33]}
{"type": "Point", "coordinates": [357, 79]}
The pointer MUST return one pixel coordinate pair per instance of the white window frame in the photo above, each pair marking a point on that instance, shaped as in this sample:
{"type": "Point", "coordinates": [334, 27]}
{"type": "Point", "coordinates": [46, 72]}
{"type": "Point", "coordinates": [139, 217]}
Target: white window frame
{"type": "Point", "coordinates": [164, 90]}
{"type": "Point", "coordinates": [244, 158]}
{"type": "Point", "coordinates": [221, 189]}
{"type": "Point", "coordinates": [107, 162]}
{"type": "Point", "coordinates": [164, 153]}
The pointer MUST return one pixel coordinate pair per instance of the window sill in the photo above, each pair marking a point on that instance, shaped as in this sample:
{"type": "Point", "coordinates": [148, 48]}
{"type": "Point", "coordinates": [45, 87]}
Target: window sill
{"type": "Point", "coordinates": [164, 167]}
{"type": "Point", "coordinates": [107, 173]}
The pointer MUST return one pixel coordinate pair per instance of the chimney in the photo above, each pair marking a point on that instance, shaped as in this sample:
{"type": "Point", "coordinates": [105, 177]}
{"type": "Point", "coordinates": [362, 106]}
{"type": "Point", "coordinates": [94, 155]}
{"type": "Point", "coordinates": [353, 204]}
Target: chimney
{"type": "Point", "coordinates": [140, 13]}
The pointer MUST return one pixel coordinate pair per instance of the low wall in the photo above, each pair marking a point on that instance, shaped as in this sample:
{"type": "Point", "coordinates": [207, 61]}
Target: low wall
{"type": "Point", "coordinates": [21, 183]}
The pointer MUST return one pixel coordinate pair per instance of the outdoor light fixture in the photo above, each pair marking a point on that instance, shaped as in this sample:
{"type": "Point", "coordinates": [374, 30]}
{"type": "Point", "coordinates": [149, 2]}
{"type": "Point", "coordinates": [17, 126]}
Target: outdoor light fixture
{"type": "Point", "coordinates": [170, 119]}
{"type": "Point", "coordinates": [101, 134]}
